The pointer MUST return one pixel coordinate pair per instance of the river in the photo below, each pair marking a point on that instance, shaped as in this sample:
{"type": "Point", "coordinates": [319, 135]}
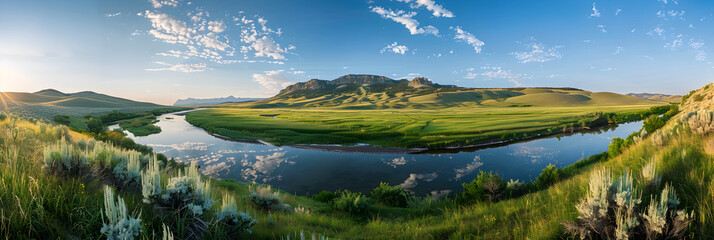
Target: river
{"type": "Point", "coordinates": [304, 171]}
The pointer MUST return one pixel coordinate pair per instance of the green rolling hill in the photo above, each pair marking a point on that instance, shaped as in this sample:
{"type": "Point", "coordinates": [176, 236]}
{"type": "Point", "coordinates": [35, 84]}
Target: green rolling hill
{"type": "Point", "coordinates": [47, 103]}
{"type": "Point", "coordinates": [51, 97]}
{"type": "Point", "coordinates": [378, 92]}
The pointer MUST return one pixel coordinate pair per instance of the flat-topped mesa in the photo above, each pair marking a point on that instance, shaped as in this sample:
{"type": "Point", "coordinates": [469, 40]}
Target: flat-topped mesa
{"type": "Point", "coordinates": [418, 82]}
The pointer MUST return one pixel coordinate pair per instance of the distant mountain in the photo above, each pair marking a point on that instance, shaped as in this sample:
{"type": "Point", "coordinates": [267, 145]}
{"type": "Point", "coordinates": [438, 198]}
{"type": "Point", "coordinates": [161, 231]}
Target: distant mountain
{"type": "Point", "coordinates": [379, 92]}
{"type": "Point", "coordinates": [212, 101]}
{"type": "Point", "coordinates": [51, 97]}
{"type": "Point", "coordinates": [657, 97]}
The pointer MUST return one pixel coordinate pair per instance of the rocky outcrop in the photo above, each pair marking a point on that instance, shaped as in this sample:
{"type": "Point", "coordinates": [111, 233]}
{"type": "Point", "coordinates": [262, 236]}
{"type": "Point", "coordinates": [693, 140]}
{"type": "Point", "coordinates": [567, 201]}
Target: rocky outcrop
{"type": "Point", "coordinates": [316, 84]}
{"type": "Point", "coordinates": [418, 82]}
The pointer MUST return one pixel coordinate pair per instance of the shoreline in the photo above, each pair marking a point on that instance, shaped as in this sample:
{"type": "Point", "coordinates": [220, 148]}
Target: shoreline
{"type": "Point", "coordinates": [366, 148]}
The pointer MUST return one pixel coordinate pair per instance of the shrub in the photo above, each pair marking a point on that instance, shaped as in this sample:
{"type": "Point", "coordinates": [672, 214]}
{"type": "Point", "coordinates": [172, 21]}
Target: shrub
{"type": "Point", "coordinates": [62, 119]}
{"type": "Point", "coordinates": [237, 222]}
{"type": "Point", "coordinates": [393, 196]}
{"type": "Point", "coordinates": [486, 186]}
{"type": "Point", "coordinates": [128, 171]}
{"type": "Point", "coordinates": [661, 213]}
{"type": "Point", "coordinates": [3, 117]}
{"type": "Point", "coordinates": [610, 210]}
{"type": "Point", "coordinates": [659, 138]}
{"type": "Point", "coordinates": [615, 147]}
{"type": "Point", "coordinates": [515, 188]}
{"type": "Point", "coordinates": [700, 122]}
{"type": "Point", "coordinates": [151, 182]}
{"type": "Point", "coordinates": [63, 158]}
{"type": "Point", "coordinates": [548, 176]}
{"type": "Point", "coordinates": [649, 174]}
{"type": "Point", "coordinates": [266, 199]}
{"type": "Point", "coordinates": [325, 196]}
{"type": "Point", "coordinates": [653, 123]}
{"type": "Point", "coordinates": [119, 225]}
{"type": "Point", "coordinates": [95, 125]}
{"type": "Point", "coordinates": [352, 202]}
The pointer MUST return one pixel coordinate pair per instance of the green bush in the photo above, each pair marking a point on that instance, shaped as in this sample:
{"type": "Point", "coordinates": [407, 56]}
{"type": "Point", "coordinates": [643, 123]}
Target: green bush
{"type": "Point", "coordinates": [352, 202]}
{"type": "Point", "coordinates": [95, 125]}
{"type": "Point", "coordinates": [393, 196]}
{"type": "Point", "coordinates": [62, 119]}
{"type": "Point", "coordinates": [548, 176]}
{"type": "Point", "coordinates": [325, 196]}
{"type": "Point", "coordinates": [3, 116]}
{"type": "Point", "coordinates": [486, 186]}
{"type": "Point", "coordinates": [615, 147]}
{"type": "Point", "coordinates": [653, 123]}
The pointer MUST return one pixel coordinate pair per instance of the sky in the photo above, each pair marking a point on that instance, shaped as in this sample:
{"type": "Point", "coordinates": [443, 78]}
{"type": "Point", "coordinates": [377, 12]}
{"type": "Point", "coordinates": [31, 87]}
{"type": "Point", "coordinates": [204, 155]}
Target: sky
{"type": "Point", "coordinates": [163, 50]}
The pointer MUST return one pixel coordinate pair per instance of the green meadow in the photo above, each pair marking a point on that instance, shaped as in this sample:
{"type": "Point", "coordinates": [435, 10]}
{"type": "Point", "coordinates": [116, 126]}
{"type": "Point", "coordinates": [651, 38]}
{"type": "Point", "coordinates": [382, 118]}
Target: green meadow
{"type": "Point", "coordinates": [432, 128]}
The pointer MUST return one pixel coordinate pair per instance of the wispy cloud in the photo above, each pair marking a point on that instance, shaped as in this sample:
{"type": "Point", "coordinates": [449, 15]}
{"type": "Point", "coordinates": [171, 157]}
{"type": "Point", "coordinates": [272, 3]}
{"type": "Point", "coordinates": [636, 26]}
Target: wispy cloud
{"type": "Point", "coordinates": [272, 81]}
{"type": "Point", "coordinates": [537, 53]}
{"type": "Point", "coordinates": [595, 12]}
{"type": "Point", "coordinates": [395, 48]}
{"type": "Point", "coordinates": [496, 73]}
{"type": "Point", "coordinates": [406, 19]}
{"type": "Point", "coordinates": [114, 14]}
{"type": "Point", "coordinates": [468, 38]}
{"type": "Point", "coordinates": [161, 3]}
{"type": "Point", "coordinates": [187, 68]}
{"type": "Point", "coordinates": [437, 10]}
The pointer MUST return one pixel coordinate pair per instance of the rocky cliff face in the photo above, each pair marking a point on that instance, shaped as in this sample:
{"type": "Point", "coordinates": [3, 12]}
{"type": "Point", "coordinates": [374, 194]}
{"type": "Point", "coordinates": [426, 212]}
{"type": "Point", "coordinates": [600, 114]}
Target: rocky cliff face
{"type": "Point", "coordinates": [357, 79]}
{"type": "Point", "coordinates": [418, 82]}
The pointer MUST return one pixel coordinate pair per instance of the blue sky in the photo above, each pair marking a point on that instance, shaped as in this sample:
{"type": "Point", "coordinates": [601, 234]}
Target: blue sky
{"type": "Point", "coordinates": [161, 50]}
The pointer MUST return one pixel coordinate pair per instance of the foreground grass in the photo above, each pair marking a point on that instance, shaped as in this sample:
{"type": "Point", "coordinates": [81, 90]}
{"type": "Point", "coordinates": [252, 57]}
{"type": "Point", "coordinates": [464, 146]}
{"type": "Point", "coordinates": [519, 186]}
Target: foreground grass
{"type": "Point", "coordinates": [431, 128]}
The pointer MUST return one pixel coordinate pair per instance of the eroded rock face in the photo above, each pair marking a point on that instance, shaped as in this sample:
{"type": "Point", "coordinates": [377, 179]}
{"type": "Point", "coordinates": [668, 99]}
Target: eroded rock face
{"type": "Point", "coordinates": [358, 79]}
{"type": "Point", "coordinates": [418, 82]}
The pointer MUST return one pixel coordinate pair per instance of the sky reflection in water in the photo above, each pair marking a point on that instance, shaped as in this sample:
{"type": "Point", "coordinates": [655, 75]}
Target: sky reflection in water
{"type": "Point", "coordinates": [307, 171]}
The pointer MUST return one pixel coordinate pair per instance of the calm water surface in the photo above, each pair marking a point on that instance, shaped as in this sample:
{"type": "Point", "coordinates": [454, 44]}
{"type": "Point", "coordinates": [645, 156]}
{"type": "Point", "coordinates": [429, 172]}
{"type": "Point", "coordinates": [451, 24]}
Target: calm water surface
{"type": "Point", "coordinates": [309, 171]}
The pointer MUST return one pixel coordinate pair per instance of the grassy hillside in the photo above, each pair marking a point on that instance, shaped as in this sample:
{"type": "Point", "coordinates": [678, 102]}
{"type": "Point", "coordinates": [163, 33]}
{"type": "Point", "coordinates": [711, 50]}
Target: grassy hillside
{"type": "Point", "coordinates": [48, 103]}
{"type": "Point", "coordinates": [379, 97]}
{"type": "Point", "coordinates": [43, 202]}
{"type": "Point", "coordinates": [657, 97]}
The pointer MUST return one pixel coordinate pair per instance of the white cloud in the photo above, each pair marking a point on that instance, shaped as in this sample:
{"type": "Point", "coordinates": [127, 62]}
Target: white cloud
{"type": "Point", "coordinates": [698, 49]}
{"type": "Point", "coordinates": [595, 13]}
{"type": "Point", "coordinates": [675, 44]}
{"type": "Point", "coordinates": [496, 73]}
{"type": "Point", "coordinates": [407, 20]}
{"type": "Point", "coordinates": [538, 53]}
{"type": "Point", "coordinates": [413, 179]}
{"type": "Point", "coordinates": [216, 26]}
{"type": "Point", "coordinates": [618, 11]}
{"type": "Point", "coordinates": [468, 38]}
{"type": "Point", "coordinates": [180, 67]}
{"type": "Point", "coordinates": [395, 48]}
{"type": "Point", "coordinates": [438, 10]}
{"type": "Point", "coordinates": [112, 14]}
{"type": "Point", "coordinates": [169, 29]}
{"type": "Point", "coordinates": [273, 81]}
{"type": "Point", "coordinates": [161, 3]}
{"type": "Point", "coordinates": [602, 28]}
